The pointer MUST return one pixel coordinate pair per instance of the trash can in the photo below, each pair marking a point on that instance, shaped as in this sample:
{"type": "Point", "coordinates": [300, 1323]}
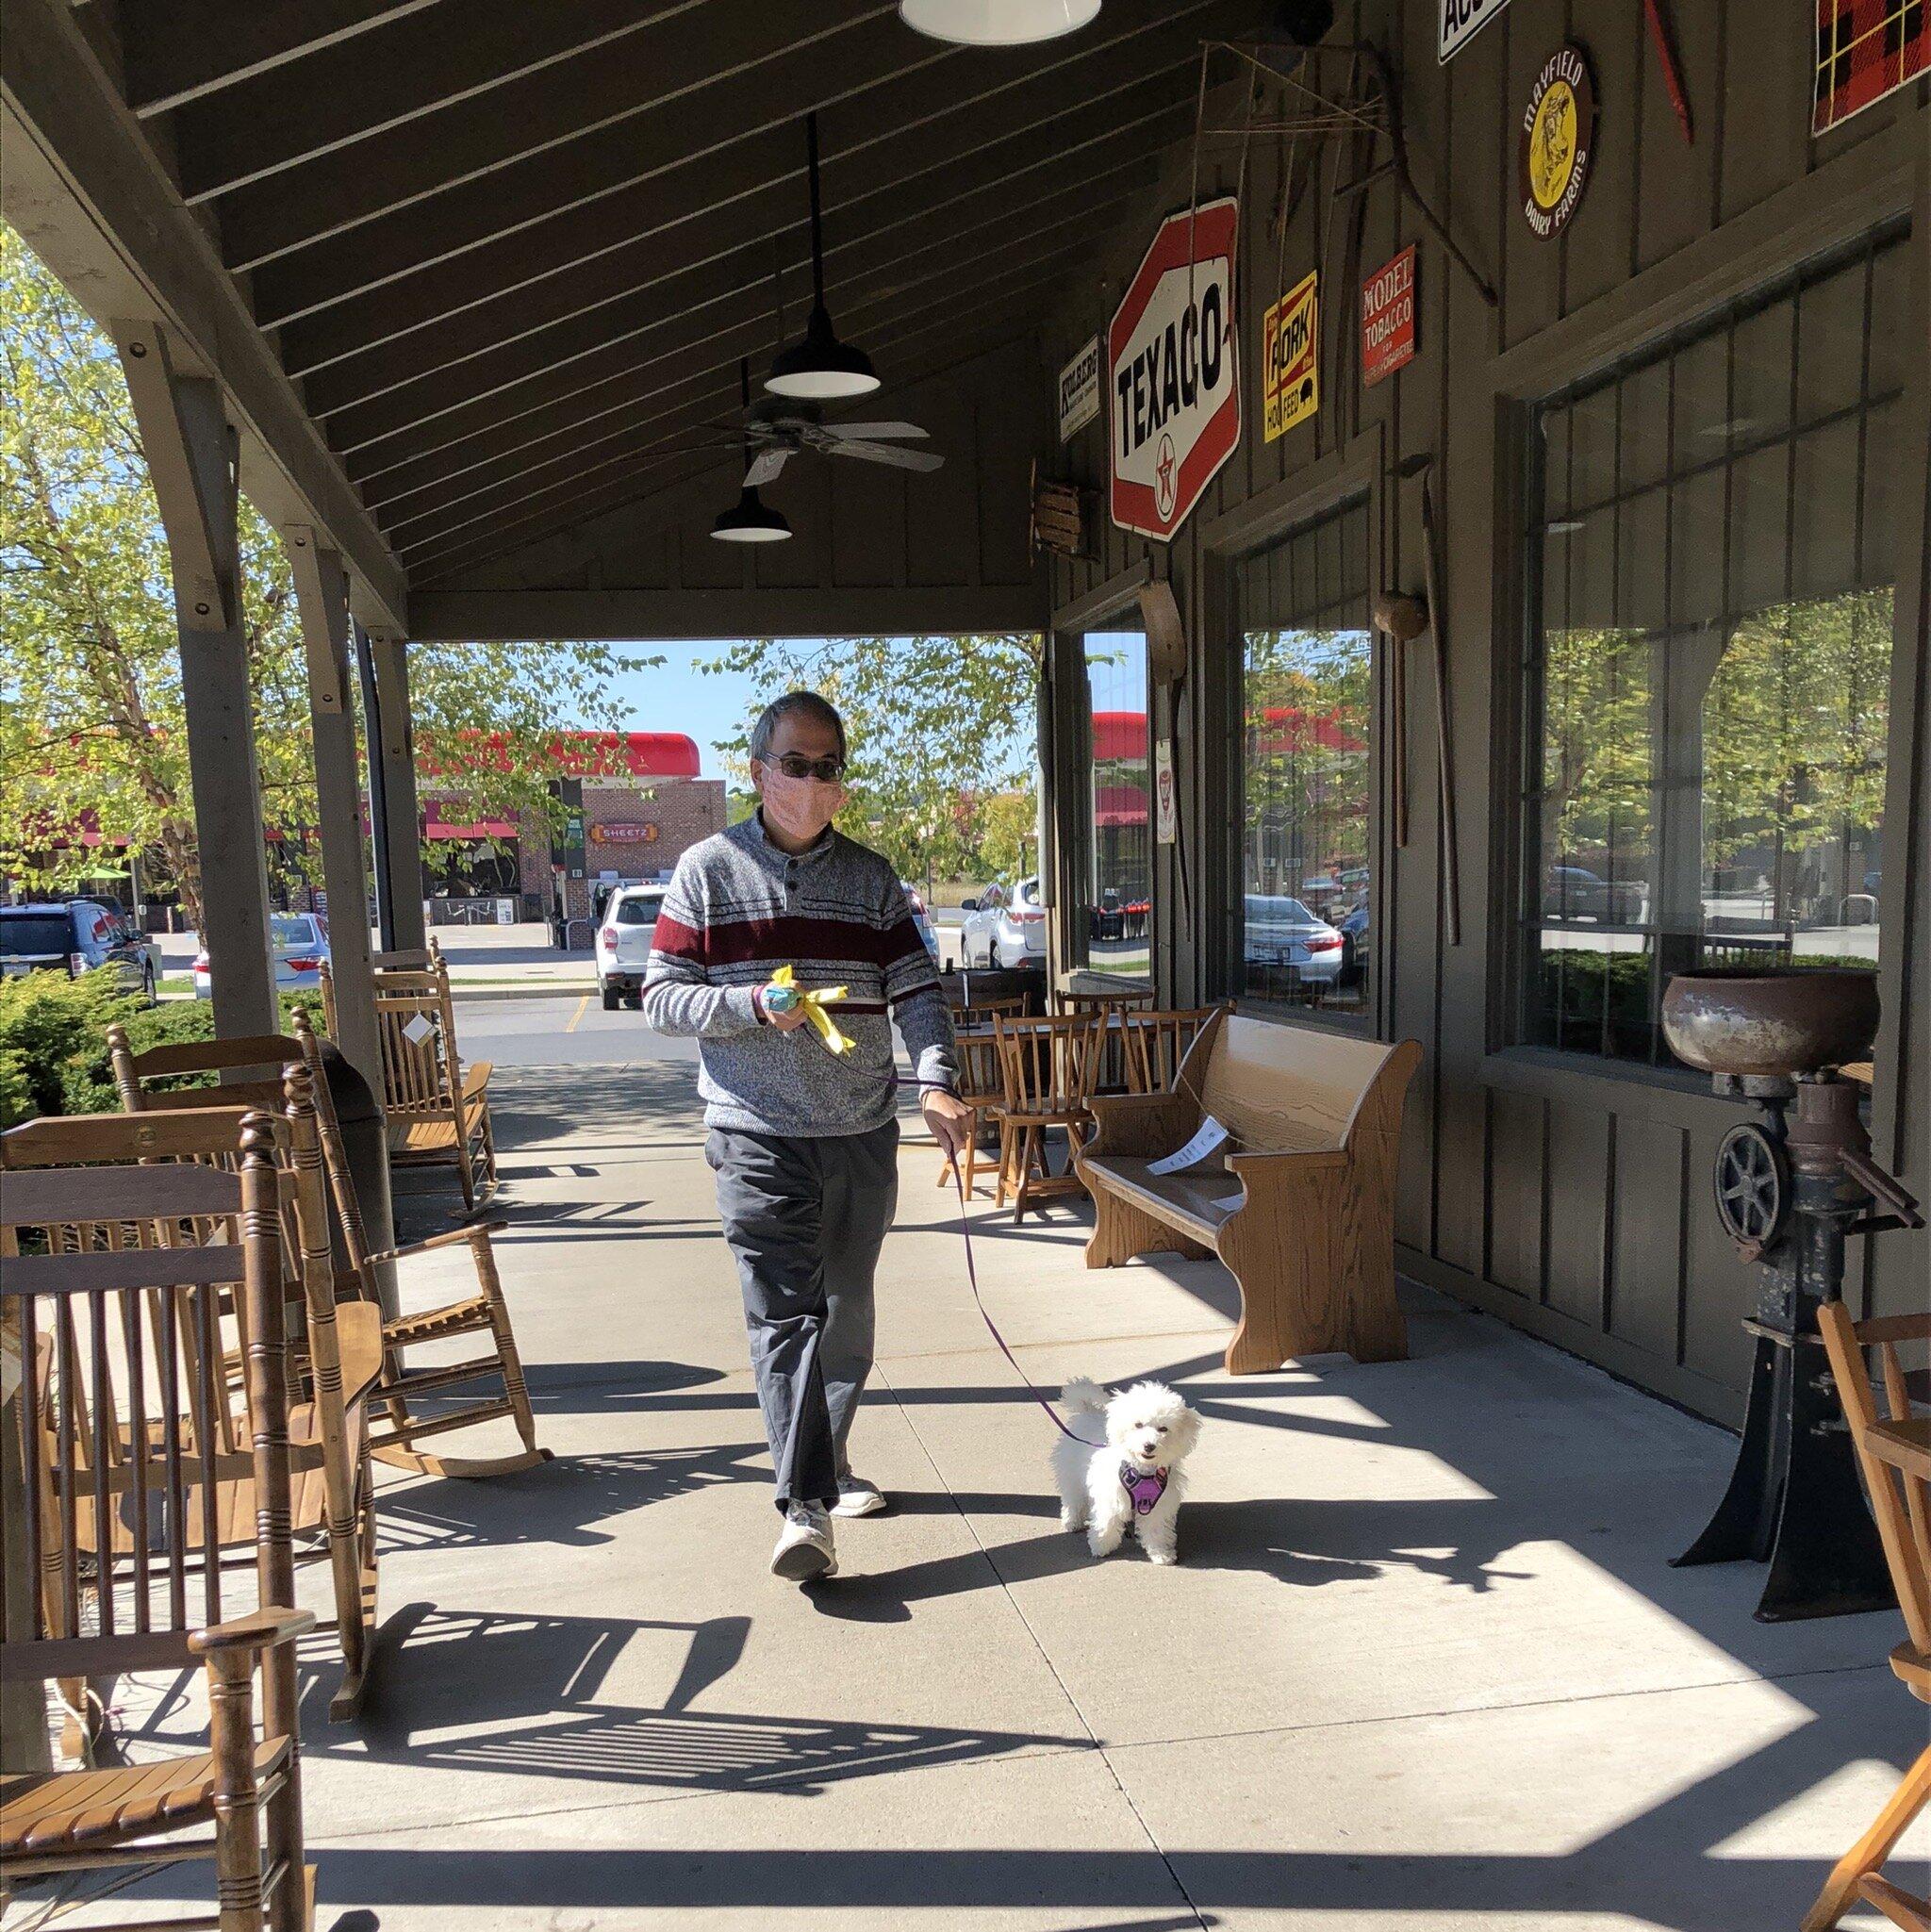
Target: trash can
{"type": "Point", "coordinates": [365, 1142]}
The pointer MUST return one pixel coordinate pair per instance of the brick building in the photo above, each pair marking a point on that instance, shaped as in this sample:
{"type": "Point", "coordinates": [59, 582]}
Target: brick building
{"type": "Point", "coordinates": [640, 805]}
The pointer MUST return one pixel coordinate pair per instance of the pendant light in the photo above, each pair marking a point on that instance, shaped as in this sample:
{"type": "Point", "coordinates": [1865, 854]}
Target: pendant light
{"type": "Point", "coordinates": [819, 368]}
{"type": "Point", "coordinates": [996, 23]}
{"type": "Point", "coordinates": [750, 519]}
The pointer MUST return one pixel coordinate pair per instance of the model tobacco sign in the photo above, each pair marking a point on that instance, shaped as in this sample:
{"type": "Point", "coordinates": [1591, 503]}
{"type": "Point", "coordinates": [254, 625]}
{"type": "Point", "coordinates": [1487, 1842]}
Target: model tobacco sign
{"type": "Point", "coordinates": [1388, 318]}
{"type": "Point", "coordinates": [1173, 379]}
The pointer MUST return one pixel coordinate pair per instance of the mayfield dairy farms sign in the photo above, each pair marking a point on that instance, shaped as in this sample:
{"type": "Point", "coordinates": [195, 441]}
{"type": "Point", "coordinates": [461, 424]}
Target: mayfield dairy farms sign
{"type": "Point", "coordinates": [1173, 384]}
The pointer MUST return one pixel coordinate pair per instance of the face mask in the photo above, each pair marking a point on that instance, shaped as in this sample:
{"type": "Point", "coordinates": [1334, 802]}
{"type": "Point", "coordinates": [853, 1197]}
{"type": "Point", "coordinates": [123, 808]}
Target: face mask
{"type": "Point", "coordinates": [800, 807]}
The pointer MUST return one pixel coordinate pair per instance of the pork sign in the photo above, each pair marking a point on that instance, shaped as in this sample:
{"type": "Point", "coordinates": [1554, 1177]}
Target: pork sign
{"type": "Point", "coordinates": [1174, 386]}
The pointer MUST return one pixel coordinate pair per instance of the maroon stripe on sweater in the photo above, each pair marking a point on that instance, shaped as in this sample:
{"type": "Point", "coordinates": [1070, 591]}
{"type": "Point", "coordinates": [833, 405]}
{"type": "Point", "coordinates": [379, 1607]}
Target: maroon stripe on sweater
{"type": "Point", "coordinates": [793, 940]}
{"type": "Point", "coordinates": [672, 937]}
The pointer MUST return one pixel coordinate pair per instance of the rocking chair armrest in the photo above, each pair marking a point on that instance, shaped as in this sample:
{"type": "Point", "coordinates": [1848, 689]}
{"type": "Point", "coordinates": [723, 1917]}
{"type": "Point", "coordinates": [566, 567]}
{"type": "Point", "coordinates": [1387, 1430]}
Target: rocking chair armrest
{"type": "Point", "coordinates": [454, 1237]}
{"type": "Point", "coordinates": [260, 1630]}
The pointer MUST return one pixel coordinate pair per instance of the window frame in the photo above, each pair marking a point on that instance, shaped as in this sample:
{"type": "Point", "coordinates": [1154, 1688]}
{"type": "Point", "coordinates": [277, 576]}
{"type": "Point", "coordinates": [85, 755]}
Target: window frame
{"type": "Point", "coordinates": [1569, 356]}
{"type": "Point", "coordinates": [1353, 472]}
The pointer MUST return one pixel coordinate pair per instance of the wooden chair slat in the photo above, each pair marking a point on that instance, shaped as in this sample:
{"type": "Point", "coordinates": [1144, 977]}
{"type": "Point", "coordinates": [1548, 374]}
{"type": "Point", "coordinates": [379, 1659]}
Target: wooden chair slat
{"type": "Point", "coordinates": [86, 1274]}
{"type": "Point", "coordinates": [45, 1196]}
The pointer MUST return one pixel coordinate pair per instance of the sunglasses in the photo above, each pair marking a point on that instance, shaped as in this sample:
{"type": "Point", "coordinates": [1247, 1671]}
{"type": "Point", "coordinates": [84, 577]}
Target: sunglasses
{"type": "Point", "coordinates": [796, 765]}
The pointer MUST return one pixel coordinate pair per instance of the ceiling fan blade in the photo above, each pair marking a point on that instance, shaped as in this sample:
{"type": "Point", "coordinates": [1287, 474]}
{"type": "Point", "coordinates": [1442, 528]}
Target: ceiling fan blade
{"type": "Point", "coordinates": [885, 453]}
{"type": "Point", "coordinates": [764, 467]}
{"type": "Point", "coordinates": [876, 432]}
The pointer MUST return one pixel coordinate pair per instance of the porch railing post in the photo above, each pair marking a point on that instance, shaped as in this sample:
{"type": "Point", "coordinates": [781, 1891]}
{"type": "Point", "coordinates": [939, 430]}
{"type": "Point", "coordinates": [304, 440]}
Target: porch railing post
{"type": "Point", "coordinates": [321, 595]}
{"type": "Point", "coordinates": [190, 451]}
{"type": "Point", "coordinates": [404, 821]}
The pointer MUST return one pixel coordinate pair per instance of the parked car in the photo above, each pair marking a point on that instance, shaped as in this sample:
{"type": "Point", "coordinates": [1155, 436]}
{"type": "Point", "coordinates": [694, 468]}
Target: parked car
{"type": "Point", "coordinates": [1574, 892]}
{"type": "Point", "coordinates": [623, 944]}
{"type": "Point", "coordinates": [1282, 932]}
{"type": "Point", "coordinates": [300, 941]}
{"type": "Point", "coordinates": [75, 936]}
{"type": "Point", "coordinates": [1353, 929]}
{"type": "Point", "coordinates": [1005, 926]}
{"type": "Point", "coordinates": [921, 919]}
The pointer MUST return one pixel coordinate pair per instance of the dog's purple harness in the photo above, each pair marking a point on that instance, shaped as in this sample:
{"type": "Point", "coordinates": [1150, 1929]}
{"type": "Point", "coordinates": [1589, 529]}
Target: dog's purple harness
{"type": "Point", "coordinates": [1144, 1491]}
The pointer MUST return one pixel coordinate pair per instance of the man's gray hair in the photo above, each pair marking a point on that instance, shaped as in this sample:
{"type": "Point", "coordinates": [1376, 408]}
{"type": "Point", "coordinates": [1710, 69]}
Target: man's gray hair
{"type": "Point", "coordinates": [793, 704]}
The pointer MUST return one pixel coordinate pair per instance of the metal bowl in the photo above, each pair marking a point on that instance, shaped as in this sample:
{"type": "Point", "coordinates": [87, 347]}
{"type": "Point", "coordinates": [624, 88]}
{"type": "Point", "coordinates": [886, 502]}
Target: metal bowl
{"type": "Point", "coordinates": [1792, 1021]}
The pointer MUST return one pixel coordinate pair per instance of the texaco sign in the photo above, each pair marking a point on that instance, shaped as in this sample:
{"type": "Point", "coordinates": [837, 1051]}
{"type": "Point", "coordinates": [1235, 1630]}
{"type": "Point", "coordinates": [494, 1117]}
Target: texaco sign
{"type": "Point", "coordinates": [1174, 386]}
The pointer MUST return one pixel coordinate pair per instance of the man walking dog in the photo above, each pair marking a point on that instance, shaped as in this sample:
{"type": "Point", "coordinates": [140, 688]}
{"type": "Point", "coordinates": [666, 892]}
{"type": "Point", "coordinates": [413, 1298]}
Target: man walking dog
{"type": "Point", "coordinates": [803, 1141]}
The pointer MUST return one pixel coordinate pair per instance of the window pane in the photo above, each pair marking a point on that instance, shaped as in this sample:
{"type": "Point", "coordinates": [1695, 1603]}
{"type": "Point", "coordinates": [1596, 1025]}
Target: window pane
{"type": "Point", "coordinates": [1119, 886]}
{"type": "Point", "coordinates": [1307, 691]}
{"type": "Point", "coordinates": [1710, 652]}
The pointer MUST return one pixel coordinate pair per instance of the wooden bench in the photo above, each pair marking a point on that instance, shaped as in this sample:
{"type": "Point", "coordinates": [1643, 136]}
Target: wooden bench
{"type": "Point", "coordinates": [1301, 1201]}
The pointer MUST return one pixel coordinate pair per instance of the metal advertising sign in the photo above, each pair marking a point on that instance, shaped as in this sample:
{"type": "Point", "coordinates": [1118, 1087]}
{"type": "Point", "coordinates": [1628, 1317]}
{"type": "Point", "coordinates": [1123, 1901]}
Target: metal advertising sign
{"type": "Point", "coordinates": [1290, 357]}
{"type": "Point", "coordinates": [1458, 22]}
{"type": "Point", "coordinates": [1080, 390]}
{"type": "Point", "coordinates": [1388, 318]}
{"type": "Point", "coordinates": [1173, 379]}
{"type": "Point", "coordinates": [1165, 818]}
{"type": "Point", "coordinates": [1558, 144]}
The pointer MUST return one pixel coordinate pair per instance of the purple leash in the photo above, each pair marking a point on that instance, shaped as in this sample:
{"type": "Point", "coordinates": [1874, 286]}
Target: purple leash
{"type": "Point", "coordinates": [972, 1275]}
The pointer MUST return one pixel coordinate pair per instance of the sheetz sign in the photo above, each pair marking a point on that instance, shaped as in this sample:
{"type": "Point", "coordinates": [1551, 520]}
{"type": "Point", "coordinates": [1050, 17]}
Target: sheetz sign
{"type": "Point", "coordinates": [1173, 381]}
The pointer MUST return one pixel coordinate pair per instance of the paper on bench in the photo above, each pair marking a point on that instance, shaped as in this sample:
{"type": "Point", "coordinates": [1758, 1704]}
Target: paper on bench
{"type": "Point", "coordinates": [1207, 1136]}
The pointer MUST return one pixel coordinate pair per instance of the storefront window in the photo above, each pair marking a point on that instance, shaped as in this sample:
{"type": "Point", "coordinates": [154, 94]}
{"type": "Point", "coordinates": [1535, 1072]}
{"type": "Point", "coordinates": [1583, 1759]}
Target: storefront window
{"type": "Point", "coordinates": [1307, 788]}
{"type": "Point", "coordinates": [1119, 909]}
{"type": "Point", "coordinates": [1710, 655]}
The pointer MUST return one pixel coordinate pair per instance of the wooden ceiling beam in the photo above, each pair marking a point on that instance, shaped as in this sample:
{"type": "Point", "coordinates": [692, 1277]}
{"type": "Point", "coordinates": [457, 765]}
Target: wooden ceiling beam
{"type": "Point", "coordinates": [535, 525]}
{"type": "Point", "coordinates": [684, 89]}
{"type": "Point", "coordinates": [697, 254]}
{"type": "Point", "coordinates": [589, 383]}
{"type": "Point", "coordinates": [185, 51]}
{"type": "Point", "coordinates": [678, 423]}
{"type": "Point", "coordinates": [483, 58]}
{"type": "Point", "coordinates": [736, 293]}
{"type": "Point", "coordinates": [719, 142]}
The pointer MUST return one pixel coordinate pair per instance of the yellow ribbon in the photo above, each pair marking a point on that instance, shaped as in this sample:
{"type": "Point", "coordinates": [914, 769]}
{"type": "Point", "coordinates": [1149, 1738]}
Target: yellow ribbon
{"type": "Point", "coordinates": [814, 1004]}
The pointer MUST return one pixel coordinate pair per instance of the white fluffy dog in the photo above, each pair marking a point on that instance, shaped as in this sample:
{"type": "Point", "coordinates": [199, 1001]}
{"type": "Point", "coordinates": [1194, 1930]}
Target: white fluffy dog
{"type": "Point", "coordinates": [1134, 1480]}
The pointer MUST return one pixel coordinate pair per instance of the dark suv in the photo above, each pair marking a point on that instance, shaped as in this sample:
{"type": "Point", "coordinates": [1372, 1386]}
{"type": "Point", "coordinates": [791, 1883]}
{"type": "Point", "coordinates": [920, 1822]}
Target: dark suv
{"type": "Point", "coordinates": [75, 936]}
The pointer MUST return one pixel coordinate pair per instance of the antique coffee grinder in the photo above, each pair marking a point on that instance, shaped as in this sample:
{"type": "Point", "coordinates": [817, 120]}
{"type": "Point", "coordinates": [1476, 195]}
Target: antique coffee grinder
{"type": "Point", "coordinates": [1789, 1187]}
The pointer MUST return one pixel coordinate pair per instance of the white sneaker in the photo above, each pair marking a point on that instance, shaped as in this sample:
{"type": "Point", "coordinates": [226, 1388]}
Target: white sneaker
{"type": "Point", "coordinates": [804, 1551]}
{"type": "Point", "coordinates": [858, 1497]}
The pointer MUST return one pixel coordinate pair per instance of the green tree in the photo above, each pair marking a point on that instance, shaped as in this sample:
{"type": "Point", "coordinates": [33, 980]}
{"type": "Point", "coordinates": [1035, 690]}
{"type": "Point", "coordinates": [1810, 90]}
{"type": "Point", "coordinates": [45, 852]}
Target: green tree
{"type": "Point", "coordinates": [92, 733]}
{"type": "Point", "coordinates": [1009, 832]}
{"type": "Point", "coordinates": [934, 725]}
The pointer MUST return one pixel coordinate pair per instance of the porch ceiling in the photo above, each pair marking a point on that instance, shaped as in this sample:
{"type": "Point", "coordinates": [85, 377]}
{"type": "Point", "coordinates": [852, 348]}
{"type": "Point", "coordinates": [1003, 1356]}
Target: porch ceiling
{"type": "Point", "coordinates": [503, 260]}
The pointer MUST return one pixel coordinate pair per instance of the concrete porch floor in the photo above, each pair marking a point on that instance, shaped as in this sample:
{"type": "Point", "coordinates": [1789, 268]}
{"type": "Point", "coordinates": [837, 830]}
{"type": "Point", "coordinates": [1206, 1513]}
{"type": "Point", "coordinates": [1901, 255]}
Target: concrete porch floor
{"type": "Point", "coordinates": [1423, 1664]}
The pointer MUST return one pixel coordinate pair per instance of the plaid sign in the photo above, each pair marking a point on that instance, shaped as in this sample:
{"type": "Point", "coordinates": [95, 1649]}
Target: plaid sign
{"type": "Point", "coordinates": [1865, 50]}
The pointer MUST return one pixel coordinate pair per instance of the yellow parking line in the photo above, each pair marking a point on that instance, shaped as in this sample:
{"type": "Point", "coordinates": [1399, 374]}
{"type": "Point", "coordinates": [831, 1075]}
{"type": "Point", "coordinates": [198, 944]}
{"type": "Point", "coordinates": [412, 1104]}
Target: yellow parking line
{"type": "Point", "coordinates": [581, 1005]}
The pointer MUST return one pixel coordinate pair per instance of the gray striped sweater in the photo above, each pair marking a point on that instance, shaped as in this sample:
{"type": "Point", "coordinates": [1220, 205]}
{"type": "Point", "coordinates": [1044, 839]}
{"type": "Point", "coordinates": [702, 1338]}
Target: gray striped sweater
{"type": "Point", "coordinates": [739, 908]}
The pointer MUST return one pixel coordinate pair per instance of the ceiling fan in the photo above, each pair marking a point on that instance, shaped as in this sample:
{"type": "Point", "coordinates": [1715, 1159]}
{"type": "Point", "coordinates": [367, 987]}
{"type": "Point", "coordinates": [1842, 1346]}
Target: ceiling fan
{"type": "Point", "coordinates": [778, 432]}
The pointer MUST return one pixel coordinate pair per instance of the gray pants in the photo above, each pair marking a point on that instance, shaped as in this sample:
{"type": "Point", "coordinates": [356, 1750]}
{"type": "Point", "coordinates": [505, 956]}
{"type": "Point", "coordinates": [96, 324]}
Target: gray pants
{"type": "Point", "coordinates": [806, 1219]}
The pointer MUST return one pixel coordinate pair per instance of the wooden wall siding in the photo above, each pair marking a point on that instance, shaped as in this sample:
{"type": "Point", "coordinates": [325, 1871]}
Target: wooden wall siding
{"type": "Point", "coordinates": [1569, 1196]}
{"type": "Point", "coordinates": [858, 527]}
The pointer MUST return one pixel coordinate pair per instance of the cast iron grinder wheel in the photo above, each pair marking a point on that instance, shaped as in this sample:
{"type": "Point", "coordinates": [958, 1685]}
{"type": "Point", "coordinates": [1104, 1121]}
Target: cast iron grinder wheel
{"type": "Point", "coordinates": [1753, 1187]}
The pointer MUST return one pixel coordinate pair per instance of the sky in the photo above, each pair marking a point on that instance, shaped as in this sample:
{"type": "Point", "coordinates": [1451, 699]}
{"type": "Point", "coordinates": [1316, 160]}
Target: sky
{"type": "Point", "coordinates": [677, 696]}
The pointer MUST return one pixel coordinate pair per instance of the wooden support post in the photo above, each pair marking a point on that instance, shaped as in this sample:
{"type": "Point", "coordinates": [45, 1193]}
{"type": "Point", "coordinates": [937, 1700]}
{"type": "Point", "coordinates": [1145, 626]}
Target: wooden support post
{"type": "Point", "coordinates": [190, 447]}
{"type": "Point", "coordinates": [403, 829]}
{"type": "Point", "coordinates": [321, 593]}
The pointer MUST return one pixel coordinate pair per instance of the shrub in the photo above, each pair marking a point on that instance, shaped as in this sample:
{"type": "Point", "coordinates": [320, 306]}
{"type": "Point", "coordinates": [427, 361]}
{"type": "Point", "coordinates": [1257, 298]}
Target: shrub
{"type": "Point", "coordinates": [54, 1040]}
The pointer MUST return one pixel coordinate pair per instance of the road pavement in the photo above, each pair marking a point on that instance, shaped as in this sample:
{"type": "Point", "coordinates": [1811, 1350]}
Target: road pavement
{"type": "Point", "coordinates": [572, 1030]}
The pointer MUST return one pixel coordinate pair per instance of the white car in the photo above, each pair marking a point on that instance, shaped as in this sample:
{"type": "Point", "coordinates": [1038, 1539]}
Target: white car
{"type": "Point", "coordinates": [623, 944]}
{"type": "Point", "coordinates": [301, 945]}
{"type": "Point", "coordinates": [1004, 927]}
{"type": "Point", "coordinates": [1283, 934]}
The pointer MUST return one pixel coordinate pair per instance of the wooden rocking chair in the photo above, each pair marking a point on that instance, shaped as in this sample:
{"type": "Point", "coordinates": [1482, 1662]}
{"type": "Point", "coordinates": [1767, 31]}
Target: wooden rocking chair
{"type": "Point", "coordinates": [1894, 1451]}
{"type": "Point", "coordinates": [120, 1441]}
{"type": "Point", "coordinates": [392, 1437]}
{"type": "Point", "coordinates": [332, 1487]}
{"type": "Point", "coordinates": [438, 1113]}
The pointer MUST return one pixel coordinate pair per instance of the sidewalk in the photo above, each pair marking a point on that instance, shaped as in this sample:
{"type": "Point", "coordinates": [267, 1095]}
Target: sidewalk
{"type": "Point", "coordinates": [1424, 1665]}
